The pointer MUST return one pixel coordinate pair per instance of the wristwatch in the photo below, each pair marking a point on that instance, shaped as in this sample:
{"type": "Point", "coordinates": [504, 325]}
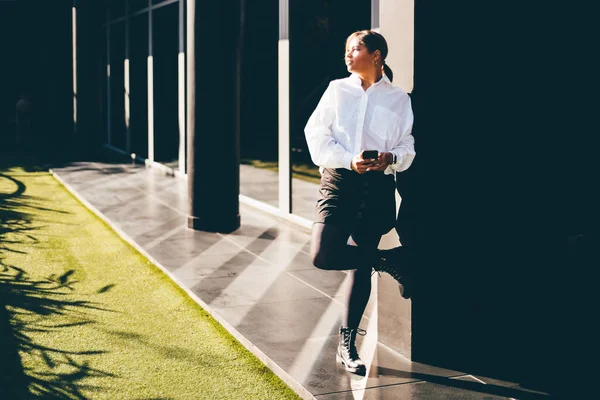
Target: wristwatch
{"type": "Point", "coordinates": [395, 159]}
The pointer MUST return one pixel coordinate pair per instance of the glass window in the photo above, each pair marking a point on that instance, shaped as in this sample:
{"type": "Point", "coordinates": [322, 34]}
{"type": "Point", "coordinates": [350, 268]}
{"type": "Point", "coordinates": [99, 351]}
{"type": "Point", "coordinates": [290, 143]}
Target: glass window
{"type": "Point", "coordinates": [259, 105]}
{"type": "Point", "coordinates": [136, 5]}
{"type": "Point", "coordinates": [105, 88]}
{"type": "Point", "coordinates": [165, 47]}
{"type": "Point", "coordinates": [9, 94]}
{"type": "Point", "coordinates": [321, 28]}
{"type": "Point", "coordinates": [117, 85]}
{"type": "Point", "coordinates": [138, 66]}
{"type": "Point", "coordinates": [116, 9]}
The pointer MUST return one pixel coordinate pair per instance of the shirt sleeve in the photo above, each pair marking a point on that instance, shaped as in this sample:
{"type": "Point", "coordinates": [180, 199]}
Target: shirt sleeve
{"type": "Point", "coordinates": [405, 148]}
{"type": "Point", "coordinates": [325, 151]}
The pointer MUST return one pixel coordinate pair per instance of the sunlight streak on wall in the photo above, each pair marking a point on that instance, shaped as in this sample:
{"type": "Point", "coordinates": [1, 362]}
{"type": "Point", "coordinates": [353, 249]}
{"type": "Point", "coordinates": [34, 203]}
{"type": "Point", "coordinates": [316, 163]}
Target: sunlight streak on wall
{"type": "Point", "coordinates": [150, 108]}
{"type": "Point", "coordinates": [181, 111]}
{"type": "Point", "coordinates": [74, 50]}
{"type": "Point", "coordinates": [285, 191]}
{"type": "Point", "coordinates": [127, 104]}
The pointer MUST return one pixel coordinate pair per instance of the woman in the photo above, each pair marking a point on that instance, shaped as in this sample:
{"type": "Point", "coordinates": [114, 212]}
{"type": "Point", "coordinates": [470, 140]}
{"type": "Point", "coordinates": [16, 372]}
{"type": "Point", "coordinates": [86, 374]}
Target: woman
{"type": "Point", "coordinates": [356, 203]}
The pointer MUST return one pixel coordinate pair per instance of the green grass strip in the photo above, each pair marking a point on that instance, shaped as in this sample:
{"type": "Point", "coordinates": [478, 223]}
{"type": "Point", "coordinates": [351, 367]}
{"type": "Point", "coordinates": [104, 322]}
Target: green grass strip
{"type": "Point", "coordinates": [83, 315]}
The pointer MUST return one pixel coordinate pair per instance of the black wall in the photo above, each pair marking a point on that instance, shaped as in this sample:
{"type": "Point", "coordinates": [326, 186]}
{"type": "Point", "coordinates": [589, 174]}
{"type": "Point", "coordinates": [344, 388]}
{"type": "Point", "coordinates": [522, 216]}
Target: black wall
{"type": "Point", "coordinates": [493, 287]}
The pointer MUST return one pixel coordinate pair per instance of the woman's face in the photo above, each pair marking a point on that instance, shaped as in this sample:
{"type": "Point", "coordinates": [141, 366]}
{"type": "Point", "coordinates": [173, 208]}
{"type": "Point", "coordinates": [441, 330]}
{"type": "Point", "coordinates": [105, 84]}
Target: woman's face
{"type": "Point", "coordinates": [358, 59]}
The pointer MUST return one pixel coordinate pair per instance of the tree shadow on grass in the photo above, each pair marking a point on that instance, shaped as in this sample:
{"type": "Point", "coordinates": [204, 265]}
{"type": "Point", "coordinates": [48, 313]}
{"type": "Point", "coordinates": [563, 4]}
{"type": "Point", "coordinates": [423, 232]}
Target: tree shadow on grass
{"type": "Point", "coordinates": [33, 308]}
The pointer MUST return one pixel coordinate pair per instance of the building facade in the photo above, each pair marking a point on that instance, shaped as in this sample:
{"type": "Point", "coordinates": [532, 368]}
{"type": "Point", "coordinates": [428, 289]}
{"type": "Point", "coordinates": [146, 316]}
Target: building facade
{"type": "Point", "coordinates": [172, 82]}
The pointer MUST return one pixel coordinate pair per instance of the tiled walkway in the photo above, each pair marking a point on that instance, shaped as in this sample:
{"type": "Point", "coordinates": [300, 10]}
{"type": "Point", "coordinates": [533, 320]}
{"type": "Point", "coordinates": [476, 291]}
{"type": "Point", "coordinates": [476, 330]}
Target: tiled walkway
{"type": "Point", "coordinates": [259, 283]}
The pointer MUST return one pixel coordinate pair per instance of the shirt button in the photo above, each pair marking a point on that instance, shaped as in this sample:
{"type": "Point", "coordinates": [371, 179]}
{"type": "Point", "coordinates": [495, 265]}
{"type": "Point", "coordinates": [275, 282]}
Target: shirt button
{"type": "Point", "coordinates": [362, 205]}
{"type": "Point", "coordinates": [366, 184]}
{"type": "Point", "coordinates": [359, 216]}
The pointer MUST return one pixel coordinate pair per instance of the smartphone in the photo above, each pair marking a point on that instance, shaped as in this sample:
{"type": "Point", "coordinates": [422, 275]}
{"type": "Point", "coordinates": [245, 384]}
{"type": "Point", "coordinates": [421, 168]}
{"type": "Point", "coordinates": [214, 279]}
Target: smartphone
{"type": "Point", "coordinates": [367, 154]}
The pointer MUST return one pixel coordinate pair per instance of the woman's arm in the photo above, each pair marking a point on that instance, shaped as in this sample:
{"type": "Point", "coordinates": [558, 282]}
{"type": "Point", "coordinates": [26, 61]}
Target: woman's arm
{"type": "Point", "coordinates": [404, 150]}
{"type": "Point", "coordinates": [405, 154]}
{"type": "Point", "coordinates": [324, 150]}
{"type": "Point", "coordinates": [401, 155]}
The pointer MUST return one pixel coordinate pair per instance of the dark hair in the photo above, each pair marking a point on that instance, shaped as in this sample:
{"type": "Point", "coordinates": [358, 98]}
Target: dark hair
{"type": "Point", "coordinates": [373, 41]}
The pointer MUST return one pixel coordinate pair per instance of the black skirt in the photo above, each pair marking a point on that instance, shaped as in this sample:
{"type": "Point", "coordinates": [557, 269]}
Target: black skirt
{"type": "Point", "coordinates": [352, 200]}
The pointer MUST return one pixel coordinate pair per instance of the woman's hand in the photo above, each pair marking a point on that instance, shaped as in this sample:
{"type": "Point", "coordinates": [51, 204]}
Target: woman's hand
{"type": "Point", "coordinates": [382, 162]}
{"type": "Point", "coordinates": [362, 165]}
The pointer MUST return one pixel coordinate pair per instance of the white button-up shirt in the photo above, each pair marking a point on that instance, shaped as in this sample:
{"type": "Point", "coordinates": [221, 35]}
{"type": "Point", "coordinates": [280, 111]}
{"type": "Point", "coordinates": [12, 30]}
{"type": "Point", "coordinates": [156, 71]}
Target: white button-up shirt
{"type": "Point", "coordinates": [349, 119]}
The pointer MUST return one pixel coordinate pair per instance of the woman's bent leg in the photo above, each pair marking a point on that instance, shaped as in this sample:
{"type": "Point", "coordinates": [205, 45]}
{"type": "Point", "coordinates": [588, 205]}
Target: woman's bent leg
{"type": "Point", "coordinates": [329, 249]}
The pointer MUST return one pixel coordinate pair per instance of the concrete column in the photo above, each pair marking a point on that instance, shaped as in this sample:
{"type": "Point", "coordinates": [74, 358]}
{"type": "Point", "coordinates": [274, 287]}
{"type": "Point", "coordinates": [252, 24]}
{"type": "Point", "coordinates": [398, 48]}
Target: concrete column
{"type": "Point", "coordinates": [396, 23]}
{"type": "Point", "coordinates": [127, 80]}
{"type": "Point", "coordinates": [74, 34]}
{"type": "Point", "coordinates": [150, 87]}
{"type": "Point", "coordinates": [214, 41]}
{"type": "Point", "coordinates": [284, 153]}
{"type": "Point", "coordinates": [397, 26]}
{"type": "Point", "coordinates": [181, 89]}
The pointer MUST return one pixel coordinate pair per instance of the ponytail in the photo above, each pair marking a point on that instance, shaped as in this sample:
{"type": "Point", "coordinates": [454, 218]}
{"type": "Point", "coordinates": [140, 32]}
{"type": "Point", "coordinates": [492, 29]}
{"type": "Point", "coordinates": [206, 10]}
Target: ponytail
{"type": "Point", "coordinates": [388, 72]}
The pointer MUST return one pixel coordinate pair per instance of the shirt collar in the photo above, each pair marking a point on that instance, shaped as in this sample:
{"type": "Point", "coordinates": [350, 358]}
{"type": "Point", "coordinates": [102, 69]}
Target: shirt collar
{"type": "Point", "coordinates": [356, 79]}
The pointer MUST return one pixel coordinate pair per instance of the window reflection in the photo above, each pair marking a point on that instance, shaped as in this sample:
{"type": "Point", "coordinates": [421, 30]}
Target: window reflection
{"type": "Point", "coordinates": [316, 57]}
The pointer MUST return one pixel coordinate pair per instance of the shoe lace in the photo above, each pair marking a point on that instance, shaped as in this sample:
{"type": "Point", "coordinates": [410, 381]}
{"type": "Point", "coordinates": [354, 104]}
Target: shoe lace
{"type": "Point", "coordinates": [349, 342]}
{"type": "Point", "coordinates": [387, 267]}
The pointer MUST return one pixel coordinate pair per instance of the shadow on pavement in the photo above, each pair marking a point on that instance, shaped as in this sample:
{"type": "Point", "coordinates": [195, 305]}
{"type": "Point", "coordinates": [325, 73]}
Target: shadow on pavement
{"type": "Point", "coordinates": [484, 388]}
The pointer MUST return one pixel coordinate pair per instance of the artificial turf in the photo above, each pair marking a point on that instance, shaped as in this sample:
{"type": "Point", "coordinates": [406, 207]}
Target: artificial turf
{"type": "Point", "coordinates": [83, 315]}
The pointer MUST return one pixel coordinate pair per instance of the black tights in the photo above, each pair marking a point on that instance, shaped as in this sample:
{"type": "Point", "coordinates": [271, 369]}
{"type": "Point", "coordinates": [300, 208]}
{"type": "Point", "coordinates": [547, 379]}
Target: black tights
{"type": "Point", "coordinates": [329, 250]}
